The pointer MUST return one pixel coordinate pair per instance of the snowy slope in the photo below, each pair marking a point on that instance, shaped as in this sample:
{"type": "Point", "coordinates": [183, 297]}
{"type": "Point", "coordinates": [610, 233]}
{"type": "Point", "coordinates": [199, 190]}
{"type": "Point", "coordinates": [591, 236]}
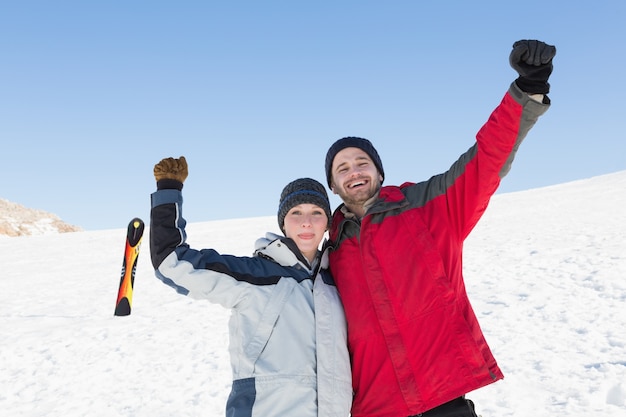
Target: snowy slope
{"type": "Point", "coordinates": [545, 270]}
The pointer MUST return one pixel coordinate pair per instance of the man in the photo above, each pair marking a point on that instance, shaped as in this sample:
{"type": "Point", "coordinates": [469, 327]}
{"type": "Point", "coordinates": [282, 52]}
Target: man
{"type": "Point", "coordinates": [415, 343]}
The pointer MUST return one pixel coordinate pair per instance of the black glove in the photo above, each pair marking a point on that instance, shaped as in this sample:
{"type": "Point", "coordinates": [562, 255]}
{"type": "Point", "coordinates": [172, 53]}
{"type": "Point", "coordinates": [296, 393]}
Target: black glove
{"type": "Point", "coordinates": [533, 62]}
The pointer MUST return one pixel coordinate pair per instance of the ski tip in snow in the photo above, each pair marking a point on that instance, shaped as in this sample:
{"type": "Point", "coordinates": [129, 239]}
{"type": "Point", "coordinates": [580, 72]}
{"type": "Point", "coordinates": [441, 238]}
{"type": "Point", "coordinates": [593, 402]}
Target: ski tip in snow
{"type": "Point", "coordinates": [129, 265]}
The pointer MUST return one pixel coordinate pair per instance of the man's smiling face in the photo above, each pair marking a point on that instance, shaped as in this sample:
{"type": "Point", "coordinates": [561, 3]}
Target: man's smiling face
{"type": "Point", "coordinates": [355, 177]}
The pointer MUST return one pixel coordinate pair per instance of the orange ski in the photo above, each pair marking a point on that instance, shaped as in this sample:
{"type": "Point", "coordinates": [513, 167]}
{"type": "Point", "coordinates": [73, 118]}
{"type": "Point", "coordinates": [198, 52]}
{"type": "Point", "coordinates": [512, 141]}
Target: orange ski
{"type": "Point", "coordinates": [129, 265]}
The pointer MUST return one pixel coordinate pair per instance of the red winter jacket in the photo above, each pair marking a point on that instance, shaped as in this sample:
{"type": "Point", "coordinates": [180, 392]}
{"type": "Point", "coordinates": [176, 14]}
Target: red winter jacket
{"type": "Point", "coordinates": [414, 339]}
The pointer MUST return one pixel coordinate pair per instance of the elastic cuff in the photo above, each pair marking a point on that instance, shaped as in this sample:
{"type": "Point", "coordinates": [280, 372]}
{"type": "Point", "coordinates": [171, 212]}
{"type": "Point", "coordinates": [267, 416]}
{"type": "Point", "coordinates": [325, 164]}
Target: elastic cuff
{"type": "Point", "coordinates": [169, 184]}
{"type": "Point", "coordinates": [532, 86]}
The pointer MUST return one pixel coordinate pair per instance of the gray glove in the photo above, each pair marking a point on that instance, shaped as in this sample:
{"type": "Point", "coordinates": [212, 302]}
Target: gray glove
{"type": "Point", "coordinates": [532, 60]}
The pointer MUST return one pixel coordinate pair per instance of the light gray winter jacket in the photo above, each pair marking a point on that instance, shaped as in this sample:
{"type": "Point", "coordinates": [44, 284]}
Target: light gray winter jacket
{"type": "Point", "coordinates": [288, 346]}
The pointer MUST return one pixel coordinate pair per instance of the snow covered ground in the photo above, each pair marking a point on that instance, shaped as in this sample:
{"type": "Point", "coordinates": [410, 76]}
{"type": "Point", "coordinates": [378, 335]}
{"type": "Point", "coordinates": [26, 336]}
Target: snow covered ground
{"type": "Point", "coordinates": [545, 269]}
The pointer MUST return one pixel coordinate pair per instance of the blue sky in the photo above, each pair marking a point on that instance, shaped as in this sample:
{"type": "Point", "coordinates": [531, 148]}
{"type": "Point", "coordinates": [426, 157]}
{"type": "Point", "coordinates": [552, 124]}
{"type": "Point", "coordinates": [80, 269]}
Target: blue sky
{"type": "Point", "coordinates": [254, 93]}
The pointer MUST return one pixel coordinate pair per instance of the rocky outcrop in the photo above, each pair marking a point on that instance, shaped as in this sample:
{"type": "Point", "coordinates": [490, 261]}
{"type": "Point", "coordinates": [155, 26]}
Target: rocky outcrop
{"type": "Point", "coordinates": [17, 220]}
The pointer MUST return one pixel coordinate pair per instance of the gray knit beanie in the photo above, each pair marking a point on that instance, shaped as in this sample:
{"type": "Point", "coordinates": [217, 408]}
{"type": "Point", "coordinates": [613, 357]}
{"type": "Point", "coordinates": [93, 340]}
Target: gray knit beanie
{"type": "Point", "coordinates": [352, 142]}
{"type": "Point", "coordinates": [302, 191]}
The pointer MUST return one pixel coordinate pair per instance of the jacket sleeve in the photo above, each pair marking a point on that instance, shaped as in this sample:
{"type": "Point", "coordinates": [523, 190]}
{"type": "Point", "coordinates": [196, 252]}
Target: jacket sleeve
{"type": "Point", "coordinates": [478, 172]}
{"type": "Point", "coordinates": [466, 188]}
{"type": "Point", "coordinates": [222, 279]}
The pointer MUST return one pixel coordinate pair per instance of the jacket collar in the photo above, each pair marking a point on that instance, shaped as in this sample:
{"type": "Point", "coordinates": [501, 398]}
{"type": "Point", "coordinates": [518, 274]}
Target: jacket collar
{"type": "Point", "coordinates": [283, 251]}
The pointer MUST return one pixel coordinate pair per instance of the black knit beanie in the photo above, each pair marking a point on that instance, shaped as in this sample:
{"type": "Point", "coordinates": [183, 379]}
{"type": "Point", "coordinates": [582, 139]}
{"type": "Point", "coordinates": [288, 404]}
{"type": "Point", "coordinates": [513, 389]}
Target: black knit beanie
{"type": "Point", "coordinates": [352, 142]}
{"type": "Point", "coordinates": [302, 191]}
